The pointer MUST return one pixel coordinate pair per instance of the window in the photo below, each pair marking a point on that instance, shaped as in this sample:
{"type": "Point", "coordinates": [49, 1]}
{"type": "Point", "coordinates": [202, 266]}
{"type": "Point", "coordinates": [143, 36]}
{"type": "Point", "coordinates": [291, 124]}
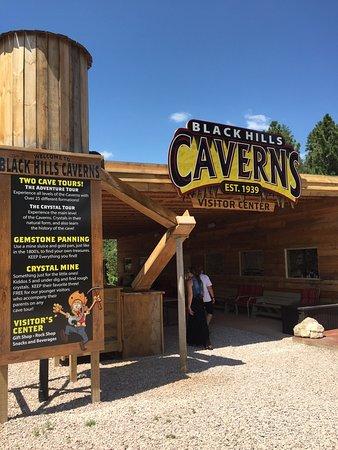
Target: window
{"type": "Point", "coordinates": [302, 263]}
{"type": "Point", "coordinates": [251, 263]}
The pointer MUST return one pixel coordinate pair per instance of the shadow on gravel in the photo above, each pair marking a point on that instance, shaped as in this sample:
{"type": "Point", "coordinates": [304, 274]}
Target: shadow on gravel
{"type": "Point", "coordinates": [121, 381]}
{"type": "Point", "coordinates": [235, 331]}
{"type": "Point", "coordinates": [222, 336]}
{"type": "Point", "coordinates": [152, 372]}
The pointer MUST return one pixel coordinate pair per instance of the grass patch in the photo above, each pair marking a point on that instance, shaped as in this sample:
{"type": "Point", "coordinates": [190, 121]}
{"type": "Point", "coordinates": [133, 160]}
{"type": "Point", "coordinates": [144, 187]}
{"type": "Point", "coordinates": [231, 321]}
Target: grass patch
{"type": "Point", "coordinates": [170, 436]}
{"type": "Point", "coordinates": [90, 423]}
{"type": "Point", "coordinates": [48, 426]}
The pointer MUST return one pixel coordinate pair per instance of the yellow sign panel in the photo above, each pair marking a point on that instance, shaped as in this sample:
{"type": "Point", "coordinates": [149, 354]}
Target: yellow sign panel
{"type": "Point", "coordinates": [233, 204]}
{"type": "Point", "coordinates": [207, 154]}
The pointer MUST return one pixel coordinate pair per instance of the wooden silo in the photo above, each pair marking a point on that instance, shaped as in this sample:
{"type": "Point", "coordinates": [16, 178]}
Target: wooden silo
{"type": "Point", "coordinates": [43, 91]}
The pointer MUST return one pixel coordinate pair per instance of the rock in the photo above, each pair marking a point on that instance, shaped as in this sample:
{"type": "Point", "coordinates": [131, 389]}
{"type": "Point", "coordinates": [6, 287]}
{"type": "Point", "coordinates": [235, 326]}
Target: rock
{"type": "Point", "coordinates": [309, 327]}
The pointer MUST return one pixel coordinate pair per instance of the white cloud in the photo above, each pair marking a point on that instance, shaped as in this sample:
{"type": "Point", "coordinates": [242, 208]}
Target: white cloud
{"type": "Point", "coordinates": [107, 155]}
{"type": "Point", "coordinates": [259, 122]}
{"type": "Point", "coordinates": [179, 116]}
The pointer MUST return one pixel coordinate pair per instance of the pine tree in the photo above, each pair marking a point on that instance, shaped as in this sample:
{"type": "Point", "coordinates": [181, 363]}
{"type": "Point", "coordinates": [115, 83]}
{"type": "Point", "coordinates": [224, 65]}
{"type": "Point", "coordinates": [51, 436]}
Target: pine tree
{"type": "Point", "coordinates": [322, 148]}
{"type": "Point", "coordinates": [279, 128]}
{"type": "Point", "coordinates": [110, 257]}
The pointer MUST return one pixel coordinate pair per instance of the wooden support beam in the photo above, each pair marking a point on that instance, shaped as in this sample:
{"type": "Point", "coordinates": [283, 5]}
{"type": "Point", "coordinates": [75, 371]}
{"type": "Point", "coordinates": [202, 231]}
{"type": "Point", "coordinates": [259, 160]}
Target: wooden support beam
{"type": "Point", "coordinates": [57, 360]}
{"type": "Point", "coordinates": [181, 305]}
{"type": "Point", "coordinates": [134, 198]}
{"type": "Point", "coordinates": [73, 368]}
{"type": "Point", "coordinates": [162, 253]}
{"type": "Point", "coordinates": [95, 376]}
{"type": "Point", "coordinates": [3, 394]}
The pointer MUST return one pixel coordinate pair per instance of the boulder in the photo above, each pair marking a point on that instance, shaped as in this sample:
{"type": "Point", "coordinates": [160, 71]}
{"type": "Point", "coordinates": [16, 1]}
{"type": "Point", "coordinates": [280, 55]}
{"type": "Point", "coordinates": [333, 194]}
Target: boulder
{"type": "Point", "coordinates": [310, 328]}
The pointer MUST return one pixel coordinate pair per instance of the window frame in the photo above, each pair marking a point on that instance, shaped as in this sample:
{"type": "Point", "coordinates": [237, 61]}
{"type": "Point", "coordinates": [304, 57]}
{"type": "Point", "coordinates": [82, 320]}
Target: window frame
{"type": "Point", "coordinates": [287, 265]}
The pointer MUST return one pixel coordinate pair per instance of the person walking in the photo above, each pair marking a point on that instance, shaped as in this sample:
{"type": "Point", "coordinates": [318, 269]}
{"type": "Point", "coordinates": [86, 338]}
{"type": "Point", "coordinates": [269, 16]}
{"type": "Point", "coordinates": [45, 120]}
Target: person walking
{"type": "Point", "coordinates": [208, 295]}
{"type": "Point", "coordinates": [197, 327]}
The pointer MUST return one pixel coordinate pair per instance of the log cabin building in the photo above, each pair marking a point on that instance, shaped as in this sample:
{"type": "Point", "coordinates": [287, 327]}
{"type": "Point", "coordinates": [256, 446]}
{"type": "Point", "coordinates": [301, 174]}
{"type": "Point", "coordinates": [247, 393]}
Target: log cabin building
{"type": "Point", "coordinates": [44, 107]}
{"type": "Point", "coordinates": [288, 250]}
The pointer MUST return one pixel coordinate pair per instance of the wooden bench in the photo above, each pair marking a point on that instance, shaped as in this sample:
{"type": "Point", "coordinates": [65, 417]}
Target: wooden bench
{"type": "Point", "coordinates": [246, 296]}
{"type": "Point", "coordinates": [271, 302]}
{"type": "Point", "coordinates": [327, 315]}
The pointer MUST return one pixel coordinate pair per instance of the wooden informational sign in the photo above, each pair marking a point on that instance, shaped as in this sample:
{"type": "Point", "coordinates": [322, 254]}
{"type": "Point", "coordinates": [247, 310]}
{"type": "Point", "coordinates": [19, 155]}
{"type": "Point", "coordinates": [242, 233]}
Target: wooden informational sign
{"type": "Point", "coordinates": [239, 160]}
{"type": "Point", "coordinates": [233, 204]}
{"type": "Point", "coordinates": [51, 255]}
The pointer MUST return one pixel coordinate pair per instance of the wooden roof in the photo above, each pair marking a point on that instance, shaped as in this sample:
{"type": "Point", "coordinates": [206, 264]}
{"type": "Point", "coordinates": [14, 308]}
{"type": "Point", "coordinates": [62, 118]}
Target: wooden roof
{"type": "Point", "coordinates": [120, 219]}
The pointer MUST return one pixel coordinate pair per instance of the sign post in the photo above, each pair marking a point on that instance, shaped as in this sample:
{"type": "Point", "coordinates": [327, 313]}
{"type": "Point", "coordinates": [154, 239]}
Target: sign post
{"type": "Point", "coordinates": [51, 256]}
{"type": "Point", "coordinates": [43, 380]}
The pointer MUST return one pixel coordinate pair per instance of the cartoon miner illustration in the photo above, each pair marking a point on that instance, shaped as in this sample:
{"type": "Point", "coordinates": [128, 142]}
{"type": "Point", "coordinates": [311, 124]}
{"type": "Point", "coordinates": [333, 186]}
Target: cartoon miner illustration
{"type": "Point", "coordinates": [77, 318]}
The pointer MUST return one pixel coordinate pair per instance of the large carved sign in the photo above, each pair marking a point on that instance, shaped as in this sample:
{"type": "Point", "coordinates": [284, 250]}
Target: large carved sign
{"type": "Point", "coordinates": [240, 160]}
{"type": "Point", "coordinates": [50, 254]}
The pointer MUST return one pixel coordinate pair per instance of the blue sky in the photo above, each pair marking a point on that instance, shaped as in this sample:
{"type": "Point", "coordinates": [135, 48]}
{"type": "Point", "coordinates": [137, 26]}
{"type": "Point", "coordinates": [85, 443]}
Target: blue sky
{"type": "Point", "coordinates": [157, 62]}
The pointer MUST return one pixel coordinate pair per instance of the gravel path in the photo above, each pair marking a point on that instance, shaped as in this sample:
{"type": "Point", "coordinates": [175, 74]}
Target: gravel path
{"type": "Point", "coordinates": [251, 392]}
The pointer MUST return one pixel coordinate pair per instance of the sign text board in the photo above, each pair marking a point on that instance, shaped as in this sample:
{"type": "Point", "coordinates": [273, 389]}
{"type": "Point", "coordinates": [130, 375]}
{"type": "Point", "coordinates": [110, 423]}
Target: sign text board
{"type": "Point", "coordinates": [51, 254]}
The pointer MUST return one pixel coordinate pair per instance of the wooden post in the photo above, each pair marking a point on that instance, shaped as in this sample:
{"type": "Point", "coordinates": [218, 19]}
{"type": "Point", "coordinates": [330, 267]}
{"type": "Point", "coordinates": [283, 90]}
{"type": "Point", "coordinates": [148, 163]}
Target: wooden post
{"type": "Point", "coordinates": [73, 368]}
{"type": "Point", "coordinates": [43, 380]}
{"type": "Point", "coordinates": [3, 394]}
{"type": "Point", "coordinates": [57, 360]}
{"type": "Point", "coordinates": [181, 305]}
{"type": "Point", "coordinates": [95, 376]}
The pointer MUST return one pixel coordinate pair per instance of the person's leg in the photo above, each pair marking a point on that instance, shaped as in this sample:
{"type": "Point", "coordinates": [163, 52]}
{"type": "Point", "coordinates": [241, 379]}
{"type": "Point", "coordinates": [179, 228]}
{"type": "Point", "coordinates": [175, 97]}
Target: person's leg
{"type": "Point", "coordinates": [209, 311]}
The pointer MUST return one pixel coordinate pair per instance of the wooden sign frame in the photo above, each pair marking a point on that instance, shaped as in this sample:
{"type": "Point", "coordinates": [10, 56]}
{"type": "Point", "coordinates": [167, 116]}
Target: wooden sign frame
{"type": "Point", "coordinates": [7, 356]}
{"type": "Point", "coordinates": [234, 204]}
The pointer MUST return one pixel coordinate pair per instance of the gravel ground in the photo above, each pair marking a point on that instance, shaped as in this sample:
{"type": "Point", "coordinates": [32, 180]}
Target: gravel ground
{"type": "Point", "coordinates": [250, 392]}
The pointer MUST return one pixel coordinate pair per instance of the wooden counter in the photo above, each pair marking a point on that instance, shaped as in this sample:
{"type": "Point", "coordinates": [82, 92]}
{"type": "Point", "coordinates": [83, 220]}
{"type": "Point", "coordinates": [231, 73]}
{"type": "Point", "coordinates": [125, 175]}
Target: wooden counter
{"type": "Point", "coordinates": [142, 323]}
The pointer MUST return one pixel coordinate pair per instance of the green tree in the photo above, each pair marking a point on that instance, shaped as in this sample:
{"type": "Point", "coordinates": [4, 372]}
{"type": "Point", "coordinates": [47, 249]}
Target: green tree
{"type": "Point", "coordinates": [279, 128]}
{"type": "Point", "coordinates": [110, 258]}
{"type": "Point", "coordinates": [322, 148]}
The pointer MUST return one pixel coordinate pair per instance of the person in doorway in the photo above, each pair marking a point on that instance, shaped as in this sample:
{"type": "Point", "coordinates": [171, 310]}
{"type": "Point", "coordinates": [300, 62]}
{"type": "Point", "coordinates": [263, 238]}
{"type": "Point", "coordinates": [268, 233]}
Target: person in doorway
{"type": "Point", "coordinates": [208, 295]}
{"type": "Point", "coordinates": [197, 327]}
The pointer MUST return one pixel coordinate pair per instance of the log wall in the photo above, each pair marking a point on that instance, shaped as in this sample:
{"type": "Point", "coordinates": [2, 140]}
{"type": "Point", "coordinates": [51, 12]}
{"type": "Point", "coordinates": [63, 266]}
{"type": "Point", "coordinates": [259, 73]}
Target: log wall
{"type": "Point", "coordinates": [313, 223]}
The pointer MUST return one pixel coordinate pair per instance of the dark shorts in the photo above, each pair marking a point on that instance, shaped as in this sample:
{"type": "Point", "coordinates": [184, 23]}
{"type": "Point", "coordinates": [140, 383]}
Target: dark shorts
{"type": "Point", "coordinates": [209, 307]}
